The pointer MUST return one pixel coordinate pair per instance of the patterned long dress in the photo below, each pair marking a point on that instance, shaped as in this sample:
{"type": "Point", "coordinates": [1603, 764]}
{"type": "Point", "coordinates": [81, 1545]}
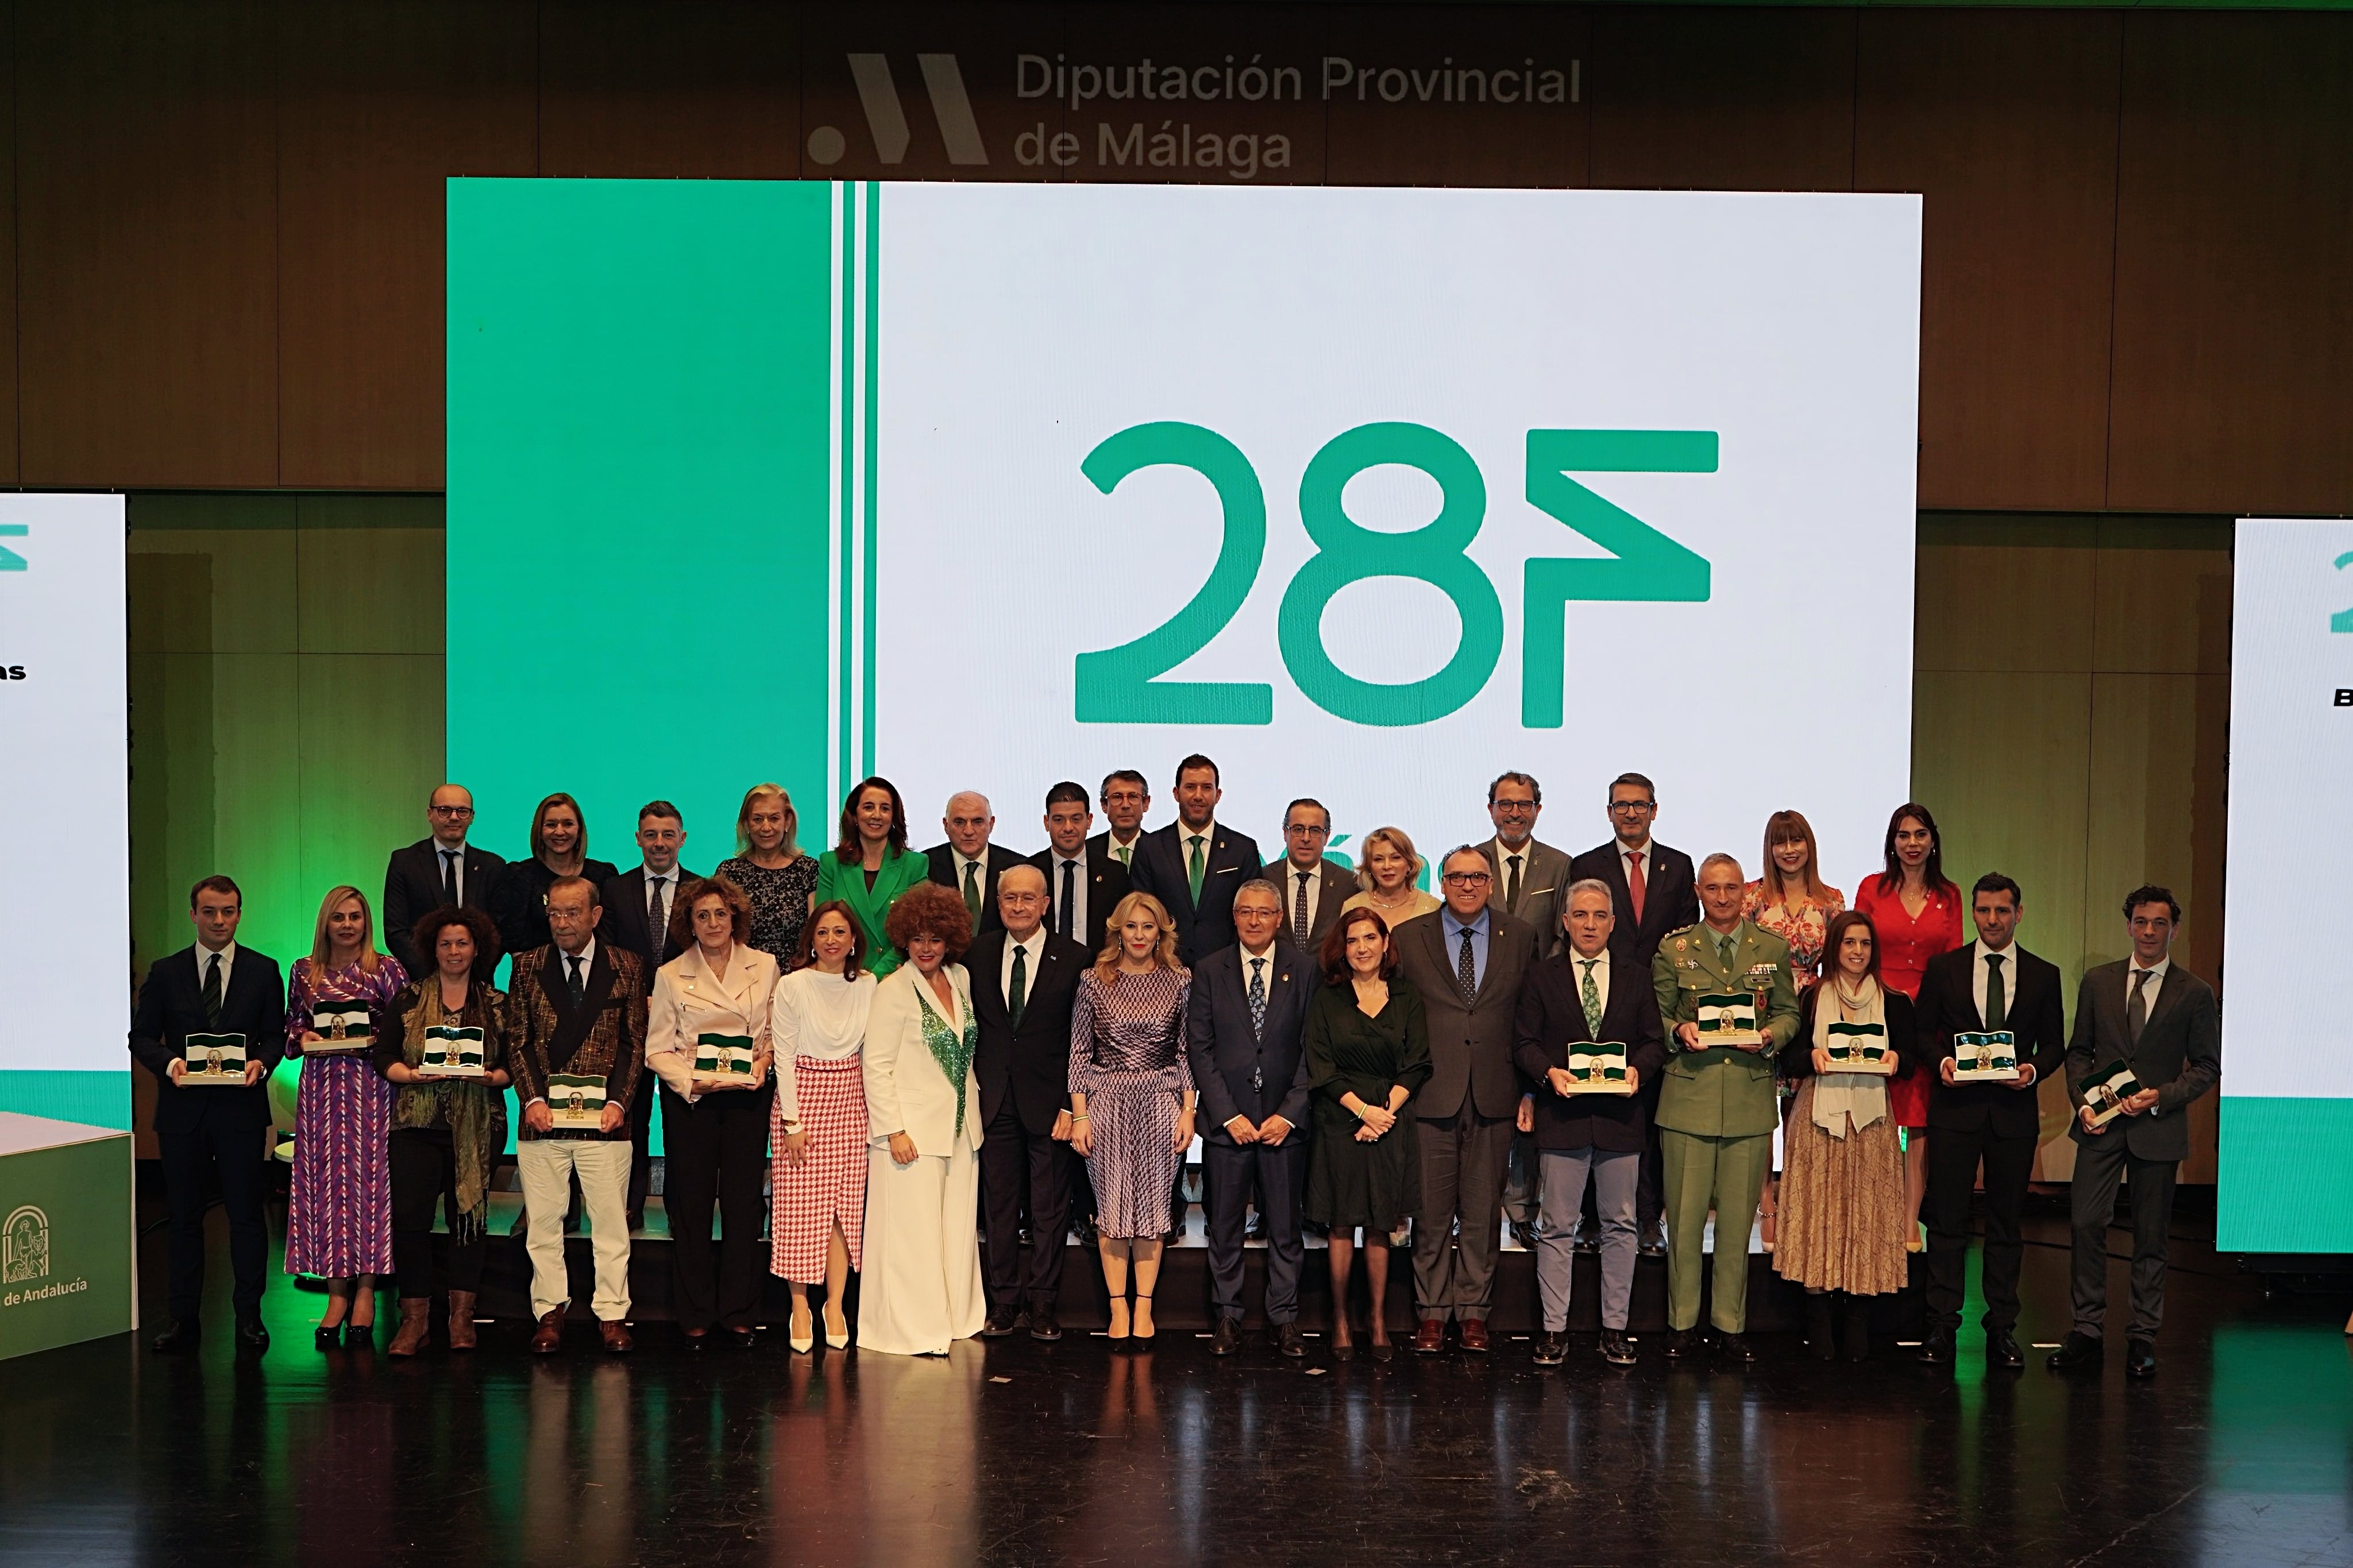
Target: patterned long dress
{"type": "Point", "coordinates": [779, 897]}
{"type": "Point", "coordinates": [339, 1219]}
{"type": "Point", "coordinates": [1127, 1058]}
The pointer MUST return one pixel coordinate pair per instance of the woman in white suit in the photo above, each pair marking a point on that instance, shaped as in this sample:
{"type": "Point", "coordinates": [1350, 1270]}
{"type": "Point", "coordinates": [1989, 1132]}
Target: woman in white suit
{"type": "Point", "coordinates": [714, 1120]}
{"type": "Point", "coordinates": [920, 1286]}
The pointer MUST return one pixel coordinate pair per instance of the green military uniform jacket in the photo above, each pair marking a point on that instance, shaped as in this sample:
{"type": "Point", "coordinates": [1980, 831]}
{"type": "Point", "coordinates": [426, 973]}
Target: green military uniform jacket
{"type": "Point", "coordinates": [1722, 1093]}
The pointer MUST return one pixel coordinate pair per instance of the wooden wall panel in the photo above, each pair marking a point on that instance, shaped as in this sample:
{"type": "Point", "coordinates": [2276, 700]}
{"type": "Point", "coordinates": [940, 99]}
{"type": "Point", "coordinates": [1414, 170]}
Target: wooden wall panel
{"type": "Point", "coordinates": [2234, 326]}
{"type": "Point", "coordinates": [2003, 594]}
{"type": "Point", "coordinates": [146, 243]}
{"type": "Point", "coordinates": [838, 142]}
{"type": "Point", "coordinates": [2160, 751]}
{"type": "Point", "coordinates": [2006, 122]}
{"type": "Point", "coordinates": [1689, 99]}
{"type": "Point", "coordinates": [630, 89]}
{"type": "Point", "coordinates": [233, 587]}
{"type": "Point", "coordinates": [1475, 140]}
{"type": "Point", "coordinates": [2163, 602]}
{"type": "Point", "coordinates": [383, 99]}
{"type": "Point", "coordinates": [363, 785]}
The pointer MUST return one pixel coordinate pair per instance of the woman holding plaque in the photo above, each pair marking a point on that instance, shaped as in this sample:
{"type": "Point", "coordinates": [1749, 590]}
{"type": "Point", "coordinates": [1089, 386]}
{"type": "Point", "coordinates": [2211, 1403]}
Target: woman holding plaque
{"type": "Point", "coordinates": [559, 847]}
{"type": "Point", "coordinates": [707, 1039]}
{"type": "Point", "coordinates": [776, 878]}
{"type": "Point", "coordinates": [1793, 902]}
{"type": "Point", "coordinates": [816, 1026]}
{"type": "Point", "coordinates": [339, 1213]}
{"type": "Point", "coordinates": [447, 1130]}
{"type": "Point", "coordinates": [922, 1288]}
{"type": "Point", "coordinates": [1844, 1225]}
{"type": "Point", "coordinates": [1389, 879]}
{"type": "Point", "coordinates": [1132, 1100]}
{"type": "Point", "coordinates": [1368, 1052]}
{"type": "Point", "coordinates": [1916, 914]}
{"type": "Point", "coordinates": [870, 866]}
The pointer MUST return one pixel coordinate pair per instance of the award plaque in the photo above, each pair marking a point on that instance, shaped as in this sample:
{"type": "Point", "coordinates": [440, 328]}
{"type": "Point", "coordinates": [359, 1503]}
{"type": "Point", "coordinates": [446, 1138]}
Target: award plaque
{"type": "Point", "coordinates": [453, 1050]}
{"type": "Point", "coordinates": [341, 1027]}
{"type": "Point", "coordinates": [724, 1055]}
{"type": "Point", "coordinates": [213, 1060]}
{"type": "Point", "coordinates": [1990, 1057]}
{"type": "Point", "coordinates": [577, 1101]}
{"type": "Point", "coordinates": [1597, 1067]}
{"type": "Point", "coordinates": [2105, 1092]}
{"type": "Point", "coordinates": [1727, 1018]}
{"type": "Point", "coordinates": [1861, 1047]}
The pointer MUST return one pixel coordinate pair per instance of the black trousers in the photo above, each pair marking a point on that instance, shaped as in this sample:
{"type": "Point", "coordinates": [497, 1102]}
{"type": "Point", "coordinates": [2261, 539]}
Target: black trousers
{"type": "Point", "coordinates": [1228, 1171]}
{"type": "Point", "coordinates": [423, 1163]}
{"type": "Point", "coordinates": [1953, 1160]}
{"type": "Point", "coordinates": [2100, 1165]}
{"type": "Point", "coordinates": [716, 1153]}
{"type": "Point", "coordinates": [191, 1161]}
{"type": "Point", "coordinates": [641, 1161]}
{"type": "Point", "coordinates": [1013, 1158]}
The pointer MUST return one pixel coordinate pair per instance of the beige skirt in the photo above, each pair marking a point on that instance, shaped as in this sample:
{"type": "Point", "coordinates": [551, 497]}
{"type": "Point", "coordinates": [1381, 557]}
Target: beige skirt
{"type": "Point", "coordinates": [1842, 1211]}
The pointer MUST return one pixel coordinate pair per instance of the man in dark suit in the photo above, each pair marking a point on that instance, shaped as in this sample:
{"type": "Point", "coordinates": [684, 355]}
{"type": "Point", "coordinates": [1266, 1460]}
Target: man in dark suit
{"type": "Point", "coordinates": [1084, 881]}
{"type": "Point", "coordinates": [1577, 997]}
{"type": "Point", "coordinates": [638, 905]}
{"type": "Point", "coordinates": [1125, 798]}
{"type": "Point", "coordinates": [2161, 1021]}
{"type": "Point", "coordinates": [1657, 890]}
{"type": "Point", "coordinates": [1193, 866]}
{"type": "Point", "coordinates": [1245, 1034]}
{"type": "Point", "coordinates": [1312, 888]}
{"type": "Point", "coordinates": [1467, 958]}
{"type": "Point", "coordinates": [1024, 979]}
{"type": "Point", "coordinates": [968, 864]}
{"type": "Point", "coordinates": [1992, 984]}
{"type": "Point", "coordinates": [214, 987]}
{"type": "Point", "coordinates": [441, 868]}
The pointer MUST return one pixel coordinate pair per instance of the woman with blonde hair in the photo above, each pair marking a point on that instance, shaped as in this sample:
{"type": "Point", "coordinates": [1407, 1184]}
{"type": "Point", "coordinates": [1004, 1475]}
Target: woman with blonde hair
{"type": "Point", "coordinates": [768, 865]}
{"type": "Point", "coordinates": [1389, 875]}
{"type": "Point", "coordinates": [339, 1215]}
{"type": "Point", "coordinates": [1793, 902]}
{"type": "Point", "coordinates": [1131, 1100]}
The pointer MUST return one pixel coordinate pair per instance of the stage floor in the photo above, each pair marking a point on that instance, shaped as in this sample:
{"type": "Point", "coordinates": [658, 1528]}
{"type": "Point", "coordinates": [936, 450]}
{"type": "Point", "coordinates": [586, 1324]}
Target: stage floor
{"type": "Point", "coordinates": [2240, 1451]}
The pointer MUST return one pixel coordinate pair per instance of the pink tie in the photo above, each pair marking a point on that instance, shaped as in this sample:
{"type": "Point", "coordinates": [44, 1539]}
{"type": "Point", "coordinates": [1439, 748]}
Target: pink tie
{"type": "Point", "coordinates": [1635, 885]}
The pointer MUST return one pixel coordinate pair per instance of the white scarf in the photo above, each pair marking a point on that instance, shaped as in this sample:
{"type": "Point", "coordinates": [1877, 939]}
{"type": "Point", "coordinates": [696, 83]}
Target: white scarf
{"type": "Point", "coordinates": [1838, 1096]}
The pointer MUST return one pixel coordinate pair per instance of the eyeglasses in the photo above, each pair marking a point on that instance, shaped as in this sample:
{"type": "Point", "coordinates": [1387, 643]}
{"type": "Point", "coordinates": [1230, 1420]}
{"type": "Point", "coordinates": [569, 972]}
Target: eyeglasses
{"type": "Point", "coordinates": [452, 810]}
{"type": "Point", "coordinates": [1308, 830]}
{"type": "Point", "coordinates": [1634, 806]}
{"type": "Point", "coordinates": [1467, 879]}
{"type": "Point", "coordinates": [1512, 808]}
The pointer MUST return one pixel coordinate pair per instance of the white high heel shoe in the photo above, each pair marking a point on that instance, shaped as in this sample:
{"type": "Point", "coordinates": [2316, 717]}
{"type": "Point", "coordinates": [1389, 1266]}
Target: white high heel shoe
{"type": "Point", "coordinates": [840, 1341]}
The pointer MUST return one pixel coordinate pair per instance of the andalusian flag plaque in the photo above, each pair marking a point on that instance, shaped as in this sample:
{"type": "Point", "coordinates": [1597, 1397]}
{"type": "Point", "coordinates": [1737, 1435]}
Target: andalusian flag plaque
{"type": "Point", "coordinates": [724, 1055]}
{"type": "Point", "coordinates": [1861, 1047]}
{"type": "Point", "coordinates": [213, 1061]}
{"type": "Point", "coordinates": [1727, 1018]}
{"type": "Point", "coordinates": [1988, 1057]}
{"type": "Point", "coordinates": [341, 1027]}
{"type": "Point", "coordinates": [1597, 1067]}
{"type": "Point", "coordinates": [452, 1050]}
{"type": "Point", "coordinates": [577, 1101]}
{"type": "Point", "coordinates": [2105, 1091]}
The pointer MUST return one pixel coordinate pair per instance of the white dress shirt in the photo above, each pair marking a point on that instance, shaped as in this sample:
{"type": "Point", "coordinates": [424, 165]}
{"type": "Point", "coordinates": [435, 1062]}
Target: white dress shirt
{"type": "Point", "coordinates": [1979, 969]}
{"type": "Point", "coordinates": [456, 869]}
{"type": "Point", "coordinates": [2149, 987]}
{"type": "Point", "coordinates": [228, 962]}
{"type": "Point", "coordinates": [1035, 946]}
{"type": "Point", "coordinates": [1055, 861]}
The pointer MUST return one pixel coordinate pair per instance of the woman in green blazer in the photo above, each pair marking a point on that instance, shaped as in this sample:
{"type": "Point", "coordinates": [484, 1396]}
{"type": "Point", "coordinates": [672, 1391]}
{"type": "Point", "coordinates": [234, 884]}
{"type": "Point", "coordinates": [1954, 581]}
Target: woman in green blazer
{"type": "Point", "coordinates": [869, 864]}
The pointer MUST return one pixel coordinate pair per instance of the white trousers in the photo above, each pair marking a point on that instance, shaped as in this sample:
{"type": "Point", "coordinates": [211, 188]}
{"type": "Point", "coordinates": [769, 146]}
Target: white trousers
{"type": "Point", "coordinates": [921, 1287]}
{"type": "Point", "coordinates": [546, 1165]}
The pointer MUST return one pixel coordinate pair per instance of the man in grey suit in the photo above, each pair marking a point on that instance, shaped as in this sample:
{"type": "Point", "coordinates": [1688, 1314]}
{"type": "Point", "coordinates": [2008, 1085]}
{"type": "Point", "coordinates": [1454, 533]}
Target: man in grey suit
{"type": "Point", "coordinates": [2162, 1022]}
{"type": "Point", "coordinates": [1531, 879]}
{"type": "Point", "coordinates": [1466, 958]}
{"type": "Point", "coordinates": [1246, 1035]}
{"type": "Point", "coordinates": [1311, 888]}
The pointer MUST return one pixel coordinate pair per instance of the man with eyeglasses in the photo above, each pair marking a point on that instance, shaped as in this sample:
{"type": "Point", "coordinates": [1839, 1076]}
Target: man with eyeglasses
{"type": "Point", "coordinates": [1655, 891]}
{"type": "Point", "coordinates": [441, 868]}
{"type": "Point", "coordinates": [1312, 888]}
{"type": "Point", "coordinates": [1467, 958]}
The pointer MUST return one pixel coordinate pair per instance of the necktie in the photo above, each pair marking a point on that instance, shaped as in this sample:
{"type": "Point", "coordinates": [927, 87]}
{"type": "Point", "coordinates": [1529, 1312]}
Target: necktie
{"type": "Point", "coordinates": [449, 876]}
{"type": "Point", "coordinates": [1635, 885]}
{"type": "Point", "coordinates": [972, 889]}
{"type": "Point", "coordinates": [1512, 884]}
{"type": "Point", "coordinates": [577, 986]}
{"type": "Point", "coordinates": [1123, 851]}
{"type": "Point", "coordinates": [1590, 996]}
{"type": "Point", "coordinates": [1017, 994]}
{"type": "Point", "coordinates": [1466, 969]}
{"type": "Point", "coordinates": [1199, 865]}
{"type": "Point", "coordinates": [1258, 998]}
{"type": "Point", "coordinates": [1724, 952]}
{"type": "Point", "coordinates": [2137, 1013]}
{"type": "Point", "coordinates": [1070, 892]}
{"type": "Point", "coordinates": [657, 921]}
{"type": "Point", "coordinates": [1299, 906]}
{"type": "Point", "coordinates": [212, 992]}
{"type": "Point", "coordinates": [1997, 1006]}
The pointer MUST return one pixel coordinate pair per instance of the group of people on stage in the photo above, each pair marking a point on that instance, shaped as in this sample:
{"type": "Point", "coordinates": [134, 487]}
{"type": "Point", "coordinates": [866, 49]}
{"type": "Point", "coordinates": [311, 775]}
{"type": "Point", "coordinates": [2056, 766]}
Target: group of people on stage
{"type": "Point", "coordinates": [927, 1058]}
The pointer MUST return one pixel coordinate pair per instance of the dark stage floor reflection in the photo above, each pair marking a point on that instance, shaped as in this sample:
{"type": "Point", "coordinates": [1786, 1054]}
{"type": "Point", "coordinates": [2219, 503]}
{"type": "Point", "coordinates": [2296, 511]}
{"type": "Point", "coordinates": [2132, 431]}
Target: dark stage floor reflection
{"type": "Point", "coordinates": [2241, 1451]}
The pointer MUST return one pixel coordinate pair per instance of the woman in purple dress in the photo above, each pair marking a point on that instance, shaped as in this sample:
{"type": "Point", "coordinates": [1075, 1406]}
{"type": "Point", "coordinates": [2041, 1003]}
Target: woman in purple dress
{"type": "Point", "coordinates": [1132, 1098]}
{"type": "Point", "coordinates": [339, 1219]}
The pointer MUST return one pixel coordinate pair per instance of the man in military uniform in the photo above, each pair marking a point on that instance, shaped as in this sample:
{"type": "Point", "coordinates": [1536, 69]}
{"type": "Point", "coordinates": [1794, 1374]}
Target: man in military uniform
{"type": "Point", "coordinates": [1716, 1107]}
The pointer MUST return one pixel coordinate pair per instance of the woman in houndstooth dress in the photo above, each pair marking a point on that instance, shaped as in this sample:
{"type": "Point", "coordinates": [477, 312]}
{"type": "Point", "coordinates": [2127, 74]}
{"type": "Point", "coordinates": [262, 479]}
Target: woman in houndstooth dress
{"type": "Point", "coordinates": [817, 1022]}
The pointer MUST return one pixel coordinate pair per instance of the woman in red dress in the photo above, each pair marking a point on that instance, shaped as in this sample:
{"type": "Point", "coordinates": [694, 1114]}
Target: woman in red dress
{"type": "Point", "coordinates": [1918, 915]}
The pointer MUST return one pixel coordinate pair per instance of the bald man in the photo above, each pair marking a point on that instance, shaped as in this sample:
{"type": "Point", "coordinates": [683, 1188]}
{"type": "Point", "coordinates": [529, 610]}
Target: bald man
{"type": "Point", "coordinates": [968, 864]}
{"type": "Point", "coordinates": [439, 868]}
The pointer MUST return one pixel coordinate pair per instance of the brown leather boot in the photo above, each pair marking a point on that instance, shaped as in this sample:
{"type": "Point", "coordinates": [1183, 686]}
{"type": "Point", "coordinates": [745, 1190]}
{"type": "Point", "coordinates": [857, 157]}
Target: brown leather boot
{"type": "Point", "coordinates": [416, 1326]}
{"type": "Point", "coordinates": [462, 1319]}
{"type": "Point", "coordinates": [548, 1338]}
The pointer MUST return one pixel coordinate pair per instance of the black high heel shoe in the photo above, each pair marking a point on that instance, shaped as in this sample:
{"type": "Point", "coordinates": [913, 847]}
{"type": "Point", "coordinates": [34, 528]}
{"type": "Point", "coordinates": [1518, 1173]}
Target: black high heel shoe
{"type": "Point", "coordinates": [327, 1338]}
{"type": "Point", "coordinates": [1142, 1341]}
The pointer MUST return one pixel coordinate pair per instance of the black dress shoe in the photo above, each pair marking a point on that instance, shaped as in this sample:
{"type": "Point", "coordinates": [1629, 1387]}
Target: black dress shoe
{"type": "Point", "coordinates": [2140, 1359]}
{"type": "Point", "coordinates": [1227, 1337]}
{"type": "Point", "coordinates": [251, 1335]}
{"type": "Point", "coordinates": [1584, 1241]}
{"type": "Point", "coordinates": [2001, 1350]}
{"type": "Point", "coordinates": [1683, 1343]}
{"type": "Point", "coordinates": [1256, 1229]}
{"type": "Point", "coordinates": [1044, 1325]}
{"type": "Point", "coordinates": [1551, 1349]}
{"type": "Point", "coordinates": [1732, 1353]}
{"type": "Point", "coordinates": [1616, 1348]}
{"type": "Point", "coordinates": [180, 1339]}
{"type": "Point", "coordinates": [1936, 1349]}
{"type": "Point", "coordinates": [1082, 1230]}
{"type": "Point", "coordinates": [1002, 1321]}
{"type": "Point", "coordinates": [1288, 1340]}
{"type": "Point", "coordinates": [744, 1338]}
{"type": "Point", "coordinates": [1654, 1247]}
{"type": "Point", "coordinates": [2078, 1353]}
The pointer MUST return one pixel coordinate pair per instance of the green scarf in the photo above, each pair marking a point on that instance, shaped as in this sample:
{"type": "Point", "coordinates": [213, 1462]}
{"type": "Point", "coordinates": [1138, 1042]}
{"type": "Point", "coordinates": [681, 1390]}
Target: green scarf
{"type": "Point", "coordinates": [466, 1107]}
{"type": "Point", "coordinates": [953, 1054]}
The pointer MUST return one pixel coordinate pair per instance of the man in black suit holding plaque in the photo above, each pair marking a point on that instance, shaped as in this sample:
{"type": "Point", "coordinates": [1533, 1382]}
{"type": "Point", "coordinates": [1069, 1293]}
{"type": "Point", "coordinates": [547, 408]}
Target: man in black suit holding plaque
{"type": "Point", "coordinates": [1992, 985]}
{"type": "Point", "coordinates": [2161, 1023]}
{"type": "Point", "coordinates": [216, 987]}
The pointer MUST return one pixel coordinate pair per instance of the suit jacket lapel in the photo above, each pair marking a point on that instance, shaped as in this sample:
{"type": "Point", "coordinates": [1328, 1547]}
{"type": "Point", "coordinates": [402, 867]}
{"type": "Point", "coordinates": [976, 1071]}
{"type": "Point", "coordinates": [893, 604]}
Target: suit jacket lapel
{"type": "Point", "coordinates": [2168, 992]}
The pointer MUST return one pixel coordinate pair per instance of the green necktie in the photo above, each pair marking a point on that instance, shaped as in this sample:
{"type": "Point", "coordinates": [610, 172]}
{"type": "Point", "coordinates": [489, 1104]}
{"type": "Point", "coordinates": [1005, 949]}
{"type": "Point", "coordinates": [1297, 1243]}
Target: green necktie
{"type": "Point", "coordinates": [972, 889]}
{"type": "Point", "coordinates": [1123, 851]}
{"type": "Point", "coordinates": [1997, 1008]}
{"type": "Point", "coordinates": [1724, 952]}
{"type": "Point", "coordinates": [1016, 995]}
{"type": "Point", "coordinates": [1591, 995]}
{"type": "Point", "coordinates": [1199, 865]}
